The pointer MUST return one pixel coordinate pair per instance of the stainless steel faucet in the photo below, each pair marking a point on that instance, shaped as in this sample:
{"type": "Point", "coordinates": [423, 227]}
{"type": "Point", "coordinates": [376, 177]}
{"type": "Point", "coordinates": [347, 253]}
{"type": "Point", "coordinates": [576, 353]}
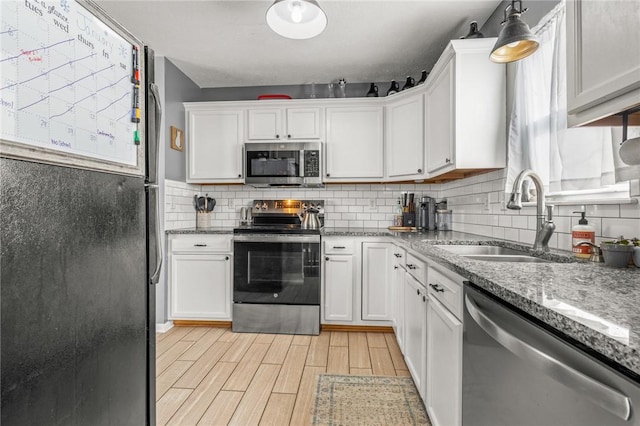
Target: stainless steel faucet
{"type": "Point", "coordinates": [544, 225]}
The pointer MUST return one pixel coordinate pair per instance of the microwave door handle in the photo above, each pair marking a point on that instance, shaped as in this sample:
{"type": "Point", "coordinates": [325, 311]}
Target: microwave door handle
{"type": "Point", "coordinates": [599, 393]}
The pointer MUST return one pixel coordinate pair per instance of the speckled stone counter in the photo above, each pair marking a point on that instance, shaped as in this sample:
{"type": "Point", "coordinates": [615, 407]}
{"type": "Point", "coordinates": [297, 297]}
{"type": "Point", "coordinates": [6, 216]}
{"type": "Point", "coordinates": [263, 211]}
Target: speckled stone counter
{"type": "Point", "coordinates": [572, 297]}
{"type": "Point", "coordinates": [212, 230]}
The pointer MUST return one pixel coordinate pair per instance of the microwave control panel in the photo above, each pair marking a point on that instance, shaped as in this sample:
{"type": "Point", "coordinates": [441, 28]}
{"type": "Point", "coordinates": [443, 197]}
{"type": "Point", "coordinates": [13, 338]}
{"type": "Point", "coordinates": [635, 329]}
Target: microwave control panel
{"type": "Point", "coordinates": [312, 163]}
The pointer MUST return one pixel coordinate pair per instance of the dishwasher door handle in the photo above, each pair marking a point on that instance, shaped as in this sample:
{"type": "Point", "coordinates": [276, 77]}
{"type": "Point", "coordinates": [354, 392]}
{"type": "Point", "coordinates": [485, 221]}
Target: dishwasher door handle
{"type": "Point", "coordinates": [599, 393]}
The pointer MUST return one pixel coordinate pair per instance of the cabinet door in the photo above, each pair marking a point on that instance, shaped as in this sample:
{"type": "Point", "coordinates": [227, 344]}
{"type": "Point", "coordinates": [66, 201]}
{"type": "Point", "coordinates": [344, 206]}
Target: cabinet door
{"type": "Point", "coordinates": [377, 299]}
{"type": "Point", "coordinates": [200, 286]}
{"type": "Point", "coordinates": [303, 123]}
{"type": "Point", "coordinates": [397, 284]}
{"type": "Point", "coordinates": [265, 124]}
{"type": "Point", "coordinates": [354, 148]}
{"type": "Point", "coordinates": [440, 116]}
{"type": "Point", "coordinates": [214, 151]}
{"type": "Point", "coordinates": [415, 308]}
{"type": "Point", "coordinates": [600, 64]}
{"type": "Point", "coordinates": [338, 288]}
{"type": "Point", "coordinates": [444, 366]}
{"type": "Point", "coordinates": [405, 137]}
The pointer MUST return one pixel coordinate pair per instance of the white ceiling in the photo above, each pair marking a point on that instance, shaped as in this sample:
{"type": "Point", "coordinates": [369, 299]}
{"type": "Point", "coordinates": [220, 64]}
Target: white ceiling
{"type": "Point", "coordinates": [228, 43]}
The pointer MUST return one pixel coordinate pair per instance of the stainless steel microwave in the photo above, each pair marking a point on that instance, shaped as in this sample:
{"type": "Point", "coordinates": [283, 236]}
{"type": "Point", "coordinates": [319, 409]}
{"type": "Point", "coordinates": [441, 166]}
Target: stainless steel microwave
{"type": "Point", "coordinates": [283, 164]}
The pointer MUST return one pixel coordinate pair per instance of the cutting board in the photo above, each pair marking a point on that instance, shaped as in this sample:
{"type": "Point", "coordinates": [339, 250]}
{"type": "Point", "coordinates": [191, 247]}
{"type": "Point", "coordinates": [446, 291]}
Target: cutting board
{"type": "Point", "coordinates": [402, 228]}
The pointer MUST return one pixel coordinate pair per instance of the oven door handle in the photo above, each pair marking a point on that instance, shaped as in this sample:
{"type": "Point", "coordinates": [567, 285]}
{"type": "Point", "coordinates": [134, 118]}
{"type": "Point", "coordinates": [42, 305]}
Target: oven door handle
{"type": "Point", "coordinates": [276, 238]}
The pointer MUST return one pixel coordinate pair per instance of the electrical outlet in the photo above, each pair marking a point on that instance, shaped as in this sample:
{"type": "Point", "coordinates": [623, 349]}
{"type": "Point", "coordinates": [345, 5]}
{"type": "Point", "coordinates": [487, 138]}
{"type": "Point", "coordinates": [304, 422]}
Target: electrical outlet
{"type": "Point", "coordinates": [231, 203]}
{"type": "Point", "coordinates": [486, 206]}
{"type": "Point", "coordinates": [372, 204]}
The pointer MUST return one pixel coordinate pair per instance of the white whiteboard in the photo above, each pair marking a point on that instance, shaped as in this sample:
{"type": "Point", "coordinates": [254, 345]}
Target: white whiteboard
{"type": "Point", "coordinates": [65, 81]}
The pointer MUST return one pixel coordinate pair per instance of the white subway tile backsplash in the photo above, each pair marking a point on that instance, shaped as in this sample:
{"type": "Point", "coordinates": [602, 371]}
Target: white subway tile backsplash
{"type": "Point", "coordinates": [603, 210]}
{"type": "Point", "coordinates": [629, 210]}
{"type": "Point", "coordinates": [613, 228]}
{"type": "Point", "coordinates": [348, 206]}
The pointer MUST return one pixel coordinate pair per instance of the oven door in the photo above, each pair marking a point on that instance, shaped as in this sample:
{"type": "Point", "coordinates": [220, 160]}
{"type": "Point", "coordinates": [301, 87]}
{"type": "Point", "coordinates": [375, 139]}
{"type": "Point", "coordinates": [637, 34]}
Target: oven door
{"type": "Point", "coordinates": [277, 269]}
{"type": "Point", "coordinates": [266, 164]}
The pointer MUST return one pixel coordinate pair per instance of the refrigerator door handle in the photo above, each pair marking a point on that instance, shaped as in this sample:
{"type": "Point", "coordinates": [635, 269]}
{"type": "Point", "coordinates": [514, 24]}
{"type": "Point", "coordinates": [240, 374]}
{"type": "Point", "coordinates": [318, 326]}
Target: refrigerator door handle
{"type": "Point", "coordinates": [599, 393]}
{"type": "Point", "coordinates": [155, 277]}
{"type": "Point", "coordinates": [153, 88]}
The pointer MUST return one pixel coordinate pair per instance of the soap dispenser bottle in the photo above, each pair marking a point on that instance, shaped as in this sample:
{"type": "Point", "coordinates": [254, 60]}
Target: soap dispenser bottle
{"type": "Point", "coordinates": [580, 233]}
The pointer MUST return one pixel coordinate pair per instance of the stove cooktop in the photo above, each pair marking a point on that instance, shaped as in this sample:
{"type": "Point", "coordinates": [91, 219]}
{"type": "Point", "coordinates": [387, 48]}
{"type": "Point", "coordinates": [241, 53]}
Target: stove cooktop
{"type": "Point", "coordinates": [274, 229]}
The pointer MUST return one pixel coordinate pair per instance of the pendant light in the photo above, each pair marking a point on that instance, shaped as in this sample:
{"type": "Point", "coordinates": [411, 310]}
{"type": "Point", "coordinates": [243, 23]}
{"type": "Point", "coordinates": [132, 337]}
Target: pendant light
{"type": "Point", "coordinates": [296, 19]}
{"type": "Point", "coordinates": [515, 41]}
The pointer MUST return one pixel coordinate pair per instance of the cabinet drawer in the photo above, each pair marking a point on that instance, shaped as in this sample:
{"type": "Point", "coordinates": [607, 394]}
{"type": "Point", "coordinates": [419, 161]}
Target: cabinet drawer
{"type": "Point", "coordinates": [447, 289]}
{"type": "Point", "coordinates": [339, 246]}
{"type": "Point", "coordinates": [201, 243]}
{"type": "Point", "coordinates": [417, 268]}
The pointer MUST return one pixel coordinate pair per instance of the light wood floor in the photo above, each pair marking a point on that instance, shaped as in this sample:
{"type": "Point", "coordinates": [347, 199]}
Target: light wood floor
{"type": "Point", "coordinates": [211, 376]}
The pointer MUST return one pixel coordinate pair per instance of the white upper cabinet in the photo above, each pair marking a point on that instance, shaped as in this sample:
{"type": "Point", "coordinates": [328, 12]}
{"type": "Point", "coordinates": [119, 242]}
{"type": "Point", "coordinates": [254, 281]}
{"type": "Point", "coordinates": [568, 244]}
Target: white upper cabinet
{"type": "Point", "coordinates": [404, 124]}
{"type": "Point", "coordinates": [304, 123]}
{"type": "Point", "coordinates": [264, 124]}
{"type": "Point", "coordinates": [354, 145]}
{"type": "Point", "coordinates": [214, 144]}
{"type": "Point", "coordinates": [439, 119]}
{"type": "Point", "coordinates": [284, 124]}
{"type": "Point", "coordinates": [465, 110]}
{"type": "Point", "coordinates": [603, 58]}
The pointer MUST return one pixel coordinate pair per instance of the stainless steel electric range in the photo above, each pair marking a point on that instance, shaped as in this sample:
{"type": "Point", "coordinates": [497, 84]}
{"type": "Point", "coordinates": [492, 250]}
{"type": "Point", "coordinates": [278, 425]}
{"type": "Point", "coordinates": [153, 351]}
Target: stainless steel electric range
{"type": "Point", "coordinates": [276, 279]}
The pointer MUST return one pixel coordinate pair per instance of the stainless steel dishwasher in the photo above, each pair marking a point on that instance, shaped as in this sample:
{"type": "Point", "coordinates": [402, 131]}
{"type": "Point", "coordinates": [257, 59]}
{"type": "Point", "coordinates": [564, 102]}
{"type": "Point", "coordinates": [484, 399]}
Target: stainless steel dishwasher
{"type": "Point", "coordinates": [517, 373]}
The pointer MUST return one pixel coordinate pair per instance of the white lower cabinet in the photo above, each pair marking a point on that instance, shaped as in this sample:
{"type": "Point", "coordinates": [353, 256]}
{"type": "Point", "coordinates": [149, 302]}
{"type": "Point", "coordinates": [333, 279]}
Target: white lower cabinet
{"type": "Point", "coordinates": [415, 331]}
{"type": "Point", "coordinates": [338, 287]}
{"type": "Point", "coordinates": [444, 348]}
{"type": "Point", "coordinates": [377, 301]}
{"type": "Point", "coordinates": [398, 272]}
{"type": "Point", "coordinates": [200, 280]}
{"type": "Point", "coordinates": [444, 366]}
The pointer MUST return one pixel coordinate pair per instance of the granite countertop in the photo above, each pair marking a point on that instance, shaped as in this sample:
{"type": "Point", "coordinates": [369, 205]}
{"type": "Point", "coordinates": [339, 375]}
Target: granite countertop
{"type": "Point", "coordinates": [212, 230]}
{"type": "Point", "coordinates": [593, 304]}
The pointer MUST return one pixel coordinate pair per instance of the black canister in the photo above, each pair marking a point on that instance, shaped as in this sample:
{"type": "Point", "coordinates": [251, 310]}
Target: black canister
{"type": "Point", "coordinates": [426, 214]}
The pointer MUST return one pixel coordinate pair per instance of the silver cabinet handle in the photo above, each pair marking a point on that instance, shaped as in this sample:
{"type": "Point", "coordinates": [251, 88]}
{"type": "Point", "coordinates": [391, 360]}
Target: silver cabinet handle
{"type": "Point", "coordinates": [339, 247]}
{"type": "Point", "coordinates": [599, 393]}
{"type": "Point", "coordinates": [437, 288]}
{"type": "Point", "coordinates": [199, 245]}
{"type": "Point", "coordinates": [411, 266]}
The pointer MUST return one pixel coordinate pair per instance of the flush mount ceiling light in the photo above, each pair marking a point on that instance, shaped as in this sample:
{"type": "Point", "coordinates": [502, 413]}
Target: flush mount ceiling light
{"type": "Point", "coordinates": [296, 19]}
{"type": "Point", "coordinates": [515, 41]}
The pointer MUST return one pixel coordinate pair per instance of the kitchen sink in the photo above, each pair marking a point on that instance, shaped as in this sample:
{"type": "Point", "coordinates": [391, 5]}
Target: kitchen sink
{"type": "Point", "coordinates": [468, 250]}
{"type": "Point", "coordinates": [492, 253]}
{"type": "Point", "coordinates": [506, 258]}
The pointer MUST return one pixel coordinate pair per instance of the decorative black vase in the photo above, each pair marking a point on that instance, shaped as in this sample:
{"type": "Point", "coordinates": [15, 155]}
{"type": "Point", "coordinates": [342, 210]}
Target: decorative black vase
{"type": "Point", "coordinates": [373, 91]}
{"type": "Point", "coordinates": [409, 83]}
{"type": "Point", "coordinates": [473, 31]}
{"type": "Point", "coordinates": [395, 88]}
{"type": "Point", "coordinates": [423, 78]}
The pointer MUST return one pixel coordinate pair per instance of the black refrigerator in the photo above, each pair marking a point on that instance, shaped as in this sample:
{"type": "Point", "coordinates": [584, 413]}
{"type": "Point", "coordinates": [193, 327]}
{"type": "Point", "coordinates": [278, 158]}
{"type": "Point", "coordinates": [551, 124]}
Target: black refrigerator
{"type": "Point", "coordinates": [78, 218]}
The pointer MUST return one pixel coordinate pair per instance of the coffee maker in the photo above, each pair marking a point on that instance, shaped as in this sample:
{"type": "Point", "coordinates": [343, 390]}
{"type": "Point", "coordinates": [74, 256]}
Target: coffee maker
{"type": "Point", "coordinates": [426, 220]}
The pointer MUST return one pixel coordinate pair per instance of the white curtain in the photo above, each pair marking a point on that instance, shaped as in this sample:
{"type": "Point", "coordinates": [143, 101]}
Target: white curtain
{"type": "Point", "coordinates": [566, 159]}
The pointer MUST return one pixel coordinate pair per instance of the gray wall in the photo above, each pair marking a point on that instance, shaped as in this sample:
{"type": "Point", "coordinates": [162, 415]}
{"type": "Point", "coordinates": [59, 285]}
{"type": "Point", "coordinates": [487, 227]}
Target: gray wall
{"type": "Point", "coordinates": [178, 88]}
{"type": "Point", "coordinates": [537, 10]}
{"type": "Point", "coordinates": [300, 91]}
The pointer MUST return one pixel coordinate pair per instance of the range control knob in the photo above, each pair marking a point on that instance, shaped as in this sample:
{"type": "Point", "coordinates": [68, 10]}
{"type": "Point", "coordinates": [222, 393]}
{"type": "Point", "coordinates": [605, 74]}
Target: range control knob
{"type": "Point", "coordinates": [265, 206]}
{"type": "Point", "coordinates": [257, 206]}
